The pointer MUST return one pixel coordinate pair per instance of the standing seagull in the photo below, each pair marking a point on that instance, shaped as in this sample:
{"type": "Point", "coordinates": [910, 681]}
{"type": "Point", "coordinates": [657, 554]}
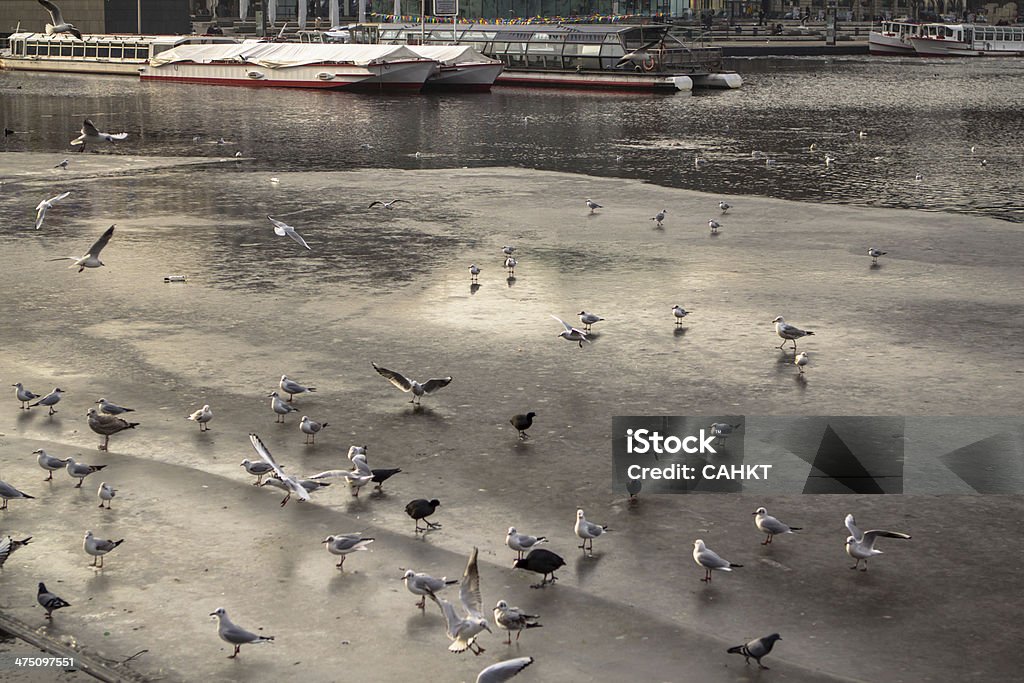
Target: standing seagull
{"type": "Point", "coordinates": [98, 547]}
{"type": "Point", "coordinates": [767, 524]}
{"type": "Point", "coordinates": [45, 206]}
{"type": "Point", "coordinates": [587, 531]}
{"type": "Point", "coordinates": [724, 206]}
{"type": "Point", "coordinates": [571, 333]}
{"type": "Point", "coordinates": [503, 671]}
{"type": "Point", "coordinates": [343, 544]}
{"type": "Point", "coordinates": [714, 225]}
{"type": "Point", "coordinates": [91, 134]}
{"type": "Point", "coordinates": [522, 542]}
{"type": "Point", "coordinates": [58, 25]}
{"type": "Point", "coordinates": [462, 631]}
{"type": "Point", "coordinates": [592, 205]}
{"type": "Point", "coordinates": [291, 388]}
{"type": "Point", "coordinates": [50, 400]}
{"type": "Point", "coordinates": [789, 332]}
{"type": "Point", "coordinates": [407, 385]}
{"type": "Point", "coordinates": [756, 648]}
{"type": "Point", "coordinates": [49, 463]}
{"type": "Point", "coordinates": [109, 408]}
{"type": "Point", "coordinates": [860, 545]}
{"type": "Point", "coordinates": [288, 483]}
{"type": "Point", "coordinates": [8, 492]}
{"type": "Point", "coordinates": [425, 584]}
{"type": "Point", "coordinates": [235, 635]}
{"type": "Point", "coordinates": [62, 165]}
{"type": "Point", "coordinates": [522, 423]}
{"type": "Point", "coordinates": [92, 258]}
{"type": "Point", "coordinates": [510, 265]}
{"type": "Point", "coordinates": [311, 428]}
{"type": "Point", "coordinates": [679, 313]}
{"type": "Point", "coordinates": [8, 546]}
{"type": "Point", "coordinates": [513, 619]}
{"type": "Point", "coordinates": [257, 469]}
{"type": "Point", "coordinates": [802, 359]}
{"type": "Point", "coordinates": [474, 272]}
{"type": "Point", "coordinates": [710, 560]}
{"type": "Point", "coordinates": [49, 601]}
{"type": "Point", "coordinates": [280, 407]}
{"type": "Point", "coordinates": [282, 229]}
{"type": "Point", "coordinates": [107, 426]}
{"type": "Point", "coordinates": [79, 470]}
{"type": "Point", "coordinates": [106, 494]}
{"type": "Point", "coordinates": [24, 395]}
{"type": "Point", "coordinates": [875, 253]}
{"type": "Point", "coordinates": [202, 417]}
{"type": "Point", "coordinates": [588, 319]}
{"type": "Point", "coordinates": [659, 217]}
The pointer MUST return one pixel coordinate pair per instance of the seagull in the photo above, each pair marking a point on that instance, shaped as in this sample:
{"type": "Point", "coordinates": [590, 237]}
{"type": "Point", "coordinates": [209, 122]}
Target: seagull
{"type": "Point", "coordinates": [50, 400]}
{"type": "Point", "coordinates": [860, 545]}
{"type": "Point", "coordinates": [503, 671]}
{"type": "Point", "coordinates": [709, 560]}
{"type": "Point", "coordinates": [92, 258]}
{"type": "Point", "coordinates": [202, 417]}
{"type": "Point", "coordinates": [588, 531]}
{"type": "Point", "coordinates": [813, 147]}
{"type": "Point", "coordinates": [571, 333]}
{"type": "Point", "coordinates": [91, 134]}
{"type": "Point", "coordinates": [98, 547]}
{"type": "Point", "coordinates": [425, 584]}
{"type": "Point", "coordinates": [522, 423]}
{"type": "Point", "coordinates": [343, 544]}
{"type": "Point", "coordinates": [235, 635]}
{"type": "Point", "coordinates": [356, 478]}
{"type": "Point", "coordinates": [257, 469]}
{"type": "Point", "coordinates": [875, 253]}
{"type": "Point", "coordinates": [8, 492]}
{"type": "Point", "coordinates": [801, 360]}
{"type": "Point", "coordinates": [756, 648]}
{"type": "Point", "coordinates": [45, 206]}
{"type": "Point", "coordinates": [918, 177]}
{"type": "Point", "coordinates": [421, 508]}
{"type": "Point", "coordinates": [699, 162]}
{"type": "Point", "coordinates": [107, 426]}
{"type": "Point", "coordinates": [8, 546]}
{"type": "Point", "coordinates": [293, 486]}
{"type": "Point", "coordinates": [510, 265]}
{"type": "Point", "coordinates": [49, 601]}
{"type": "Point", "coordinates": [462, 631]}
{"type": "Point", "coordinates": [522, 542]}
{"type": "Point", "coordinates": [106, 493]}
{"type": "Point", "coordinates": [311, 428]}
{"type": "Point", "coordinates": [24, 395]}
{"type": "Point", "coordinates": [862, 134]}
{"type": "Point", "coordinates": [474, 271]}
{"type": "Point", "coordinates": [714, 225]}
{"type": "Point", "coordinates": [543, 562]}
{"type": "Point", "coordinates": [280, 407]}
{"type": "Point", "coordinates": [507, 250]}
{"type": "Point", "coordinates": [283, 229]}
{"type": "Point", "coordinates": [788, 332]}
{"type": "Point", "coordinates": [386, 205]}
{"type": "Point", "coordinates": [407, 385]}
{"type": "Point", "coordinates": [767, 524]}
{"type": "Point", "coordinates": [589, 319]}
{"type": "Point", "coordinates": [829, 160]}
{"type": "Point", "coordinates": [79, 470]}
{"type": "Point", "coordinates": [49, 463]}
{"type": "Point", "coordinates": [513, 619]}
{"type": "Point", "coordinates": [659, 217]}
{"type": "Point", "coordinates": [592, 205]}
{"type": "Point", "coordinates": [58, 25]}
{"type": "Point", "coordinates": [724, 206]}
{"type": "Point", "coordinates": [309, 485]}
{"type": "Point", "coordinates": [109, 408]}
{"type": "Point", "coordinates": [291, 388]}
{"type": "Point", "coordinates": [679, 312]}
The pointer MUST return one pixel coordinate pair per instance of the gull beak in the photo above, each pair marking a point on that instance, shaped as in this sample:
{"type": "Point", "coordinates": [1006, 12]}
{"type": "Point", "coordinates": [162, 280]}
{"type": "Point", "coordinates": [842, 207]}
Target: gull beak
{"type": "Point", "coordinates": [753, 513]}
{"type": "Point", "coordinates": [213, 614]}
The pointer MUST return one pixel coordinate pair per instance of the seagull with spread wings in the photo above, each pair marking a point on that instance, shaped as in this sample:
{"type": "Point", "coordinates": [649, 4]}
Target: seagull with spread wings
{"type": "Point", "coordinates": [571, 333]}
{"type": "Point", "coordinates": [92, 258]}
{"type": "Point", "coordinates": [282, 229]}
{"type": "Point", "coordinates": [58, 25]}
{"type": "Point", "coordinates": [407, 385]}
{"type": "Point", "coordinates": [386, 205]}
{"type": "Point", "coordinates": [45, 206]}
{"type": "Point", "coordinates": [90, 133]}
{"type": "Point", "coordinates": [860, 545]}
{"type": "Point", "coordinates": [463, 630]}
{"type": "Point", "coordinates": [293, 486]}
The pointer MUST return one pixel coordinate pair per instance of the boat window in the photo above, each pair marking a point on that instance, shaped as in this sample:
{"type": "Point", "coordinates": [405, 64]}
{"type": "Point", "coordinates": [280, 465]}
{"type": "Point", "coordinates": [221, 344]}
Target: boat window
{"type": "Point", "coordinates": [498, 48]}
{"type": "Point", "coordinates": [570, 50]}
{"type": "Point", "coordinates": [102, 51]}
{"type": "Point", "coordinates": [19, 47]}
{"type": "Point", "coordinates": [78, 50]}
{"type": "Point", "coordinates": [115, 52]}
{"type": "Point", "coordinates": [31, 49]}
{"type": "Point", "coordinates": [90, 51]}
{"type": "Point", "coordinates": [65, 50]}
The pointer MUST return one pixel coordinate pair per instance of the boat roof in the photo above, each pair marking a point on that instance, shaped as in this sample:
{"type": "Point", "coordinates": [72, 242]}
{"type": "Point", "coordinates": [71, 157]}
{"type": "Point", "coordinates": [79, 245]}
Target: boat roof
{"type": "Point", "coordinates": [282, 55]}
{"type": "Point", "coordinates": [531, 29]}
{"type": "Point", "coordinates": [123, 38]}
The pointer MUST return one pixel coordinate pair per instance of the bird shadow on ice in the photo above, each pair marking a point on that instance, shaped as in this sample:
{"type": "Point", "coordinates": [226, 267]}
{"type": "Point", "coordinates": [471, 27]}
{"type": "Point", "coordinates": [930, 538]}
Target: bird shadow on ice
{"type": "Point", "coordinates": [346, 582]}
{"type": "Point", "coordinates": [474, 288]}
{"type": "Point", "coordinates": [422, 622]}
{"type": "Point", "coordinates": [586, 563]}
{"type": "Point", "coordinates": [875, 266]}
{"type": "Point", "coordinates": [801, 380]}
{"type": "Point", "coordinates": [24, 416]}
{"type": "Point", "coordinates": [510, 280]}
{"type": "Point", "coordinates": [97, 582]}
{"type": "Point", "coordinates": [680, 331]}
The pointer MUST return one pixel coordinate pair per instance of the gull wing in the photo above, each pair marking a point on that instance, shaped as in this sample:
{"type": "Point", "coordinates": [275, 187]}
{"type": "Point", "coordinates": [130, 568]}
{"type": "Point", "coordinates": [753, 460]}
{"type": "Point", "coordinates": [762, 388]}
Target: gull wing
{"type": "Point", "coordinates": [88, 129]}
{"type": "Point", "coordinates": [375, 203]}
{"type": "Point", "coordinates": [710, 559]}
{"type": "Point", "coordinates": [567, 326]}
{"type": "Point", "coordinates": [262, 451]}
{"type": "Point", "coordinates": [773, 525]}
{"type": "Point", "coordinates": [331, 474]}
{"type": "Point", "coordinates": [98, 245]}
{"type": "Point", "coordinates": [118, 136]}
{"type": "Point", "coordinates": [298, 238]}
{"type": "Point", "coordinates": [362, 467]}
{"type": "Point", "coordinates": [469, 591]}
{"type": "Point", "coordinates": [396, 378]}
{"type": "Point", "coordinates": [453, 622]}
{"type": "Point", "coordinates": [503, 671]}
{"type": "Point", "coordinates": [871, 536]}
{"type": "Point", "coordinates": [41, 213]}
{"type": "Point", "coordinates": [5, 549]}
{"type": "Point", "coordinates": [436, 383]}
{"type": "Point", "coordinates": [54, 11]}
{"type": "Point", "coordinates": [857, 534]}
{"type": "Point", "coordinates": [279, 227]}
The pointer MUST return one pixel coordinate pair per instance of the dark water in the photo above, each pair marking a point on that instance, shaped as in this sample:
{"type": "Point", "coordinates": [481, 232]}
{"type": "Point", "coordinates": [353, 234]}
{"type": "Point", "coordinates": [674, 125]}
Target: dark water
{"type": "Point", "coordinates": [919, 116]}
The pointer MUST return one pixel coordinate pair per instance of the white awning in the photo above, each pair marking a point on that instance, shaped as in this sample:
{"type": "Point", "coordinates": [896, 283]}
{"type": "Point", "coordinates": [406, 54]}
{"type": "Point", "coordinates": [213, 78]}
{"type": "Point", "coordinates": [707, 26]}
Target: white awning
{"type": "Point", "coordinates": [452, 55]}
{"type": "Point", "coordinates": [283, 55]}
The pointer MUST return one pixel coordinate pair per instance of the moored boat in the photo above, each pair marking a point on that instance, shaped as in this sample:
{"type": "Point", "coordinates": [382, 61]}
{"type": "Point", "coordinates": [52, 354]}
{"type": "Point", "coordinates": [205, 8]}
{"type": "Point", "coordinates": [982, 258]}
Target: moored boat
{"type": "Point", "coordinates": [969, 40]}
{"type": "Point", "coordinates": [892, 38]}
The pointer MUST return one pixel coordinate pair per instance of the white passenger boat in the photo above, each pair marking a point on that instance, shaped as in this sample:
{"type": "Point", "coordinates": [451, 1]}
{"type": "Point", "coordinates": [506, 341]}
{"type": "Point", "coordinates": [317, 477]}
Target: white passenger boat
{"type": "Point", "coordinates": [893, 39]}
{"type": "Point", "coordinates": [969, 40]}
{"type": "Point", "coordinates": [95, 54]}
{"type": "Point", "coordinates": [293, 65]}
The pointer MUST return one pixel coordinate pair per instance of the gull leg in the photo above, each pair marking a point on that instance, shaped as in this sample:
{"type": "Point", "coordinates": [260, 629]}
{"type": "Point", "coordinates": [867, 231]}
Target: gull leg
{"type": "Point", "coordinates": [767, 540]}
{"type": "Point", "coordinates": [865, 566]}
{"type": "Point", "coordinates": [237, 648]}
{"type": "Point", "coordinates": [49, 478]}
{"type": "Point", "coordinates": [79, 484]}
{"type": "Point", "coordinates": [422, 604]}
{"type": "Point", "coordinates": [509, 641]}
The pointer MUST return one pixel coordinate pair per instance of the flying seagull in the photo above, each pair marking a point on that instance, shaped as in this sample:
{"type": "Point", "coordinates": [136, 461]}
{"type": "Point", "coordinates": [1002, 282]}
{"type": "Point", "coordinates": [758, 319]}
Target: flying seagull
{"type": "Point", "coordinates": [571, 333]}
{"type": "Point", "coordinates": [92, 134]}
{"type": "Point", "coordinates": [503, 671]}
{"type": "Point", "coordinates": [407, 385]}
{"type": "Point", "coordinates": [58, 25]}
{"type": "Point", "coordinates": [8, 546]}
{"type": "Point", "coordinates": [386, 205]}
{"type": "Point", "coordinates": [45, 206]}
{"type": "Point", "coordinates": [860, 545]}
{"type": "Point", "coordinates": [283, 229]}
{"type": "Point", "coordinates": [92, 258]}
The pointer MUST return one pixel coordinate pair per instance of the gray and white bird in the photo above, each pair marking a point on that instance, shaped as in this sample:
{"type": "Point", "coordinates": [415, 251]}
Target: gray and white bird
{"type": "Point", "coordinates": [356, 478]}
{"type": "Point", "coordinates": [462, 631]}
{"type": "Point", "coordinates": [508, 250]}
{"type": "Point", "coordinates": [503, 671]}
{"type": "Point", "coordinates": [202, 417]}
{"type": "Point", "coordinates": [282, 229]}
{"type": "Point", "coordinates": [292, 387]}
{"type": "Point", "coordinates": [522, 543]}
{"type": "Point", "coordinates": [8, 492]}
{"type": "Point", "coordinates": [24, 395]}
{"type": "Point", "coordinates": [62, 165]}
{"type": "Point", "coordinates": [233, 634]}
{"type": "Point", "coordinates": [588, 319]}
{"type": "Point", "coordinates": [875, 253]}
{"type": "Point", "coordinates": [311, 428]}
{"type": "Point", "coordinates": [714, 225]}
{"type": "Point", "coordinates": [386, 205]}
{"type": "Point", "coordinates": [8, 545]}
{"type": "Point", "coordinates": [343, 544]}
{"type": "Point", "coordinates": [107, 425]}
{"type": "Point", "coordinates": [58, 25]}
{"type": "Point", "coordinates": [474, 271]}
{"type": "Point", "coordinates": [424, 585]}
{"type": "Point", "coordinates": [679, 313]}
{"type": "Point", "coordinates": [50, 400]}
{"type": "Point", "coordinates": [407, 385]}
{"type": "Point", "coordinates": [724, 206]}
{"type": "Point", "coordinates": [280, 407]}
{"type": "Point", "coordinates": [513, 619]}
{"type": "Point", "coordinates": [310, 486]}
{"type": "Point", "coordinates": [709, 560]}
{"type": "Point", "coordinates": [49, 463]}
{"type": "Point", "coordinates": [91, 259]}
{"type": "Point", "coordinates": [290, 483]}
{"type": "Point", "coordinates": [510, 265]}
{"type": "Point", "coordinates": [108, 408]}
{"type": "Point", "coordinates": [592, 205]}
{"type": "Point", "coordinates": [106, 494]}
{"type": "Point", "coordinates": [756, 648]}
{"type": "Point", "coordinates": [789, 332]}
{"type": "Point", "coordinates": [257, 469]}
{"type": "Point", "coordinates": [587, 531]}
{"type": "Point", "coordinates": [659, 217]}
{"type": "Point", "coordinates": [90, 133]}
{"type": "Point", "coordinates": [45, 206]}
{"type": "Point", "coordinates": [767, 524]}
{"type": "Point", "coordinates": [79, 470]}
{"type": "Point", "coordinates": [98, 547]}
{"type": "Point", "coordinates": [802, 359]}
{"type": "Point", "coordinates": [49, 601]}
{"type": "Point", "coordinates": [860, 545]}
{"type": "Point", "coordinates": [570, 333]}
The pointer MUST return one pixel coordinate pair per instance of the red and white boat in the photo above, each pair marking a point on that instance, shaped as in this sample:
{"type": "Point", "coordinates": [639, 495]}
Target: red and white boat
{"type": "Point", "coordinates": [969, 40]}
{"type": "Point", "coordinates": [293, 65]}
{"type": "Point", "coordinates": [892, 39]}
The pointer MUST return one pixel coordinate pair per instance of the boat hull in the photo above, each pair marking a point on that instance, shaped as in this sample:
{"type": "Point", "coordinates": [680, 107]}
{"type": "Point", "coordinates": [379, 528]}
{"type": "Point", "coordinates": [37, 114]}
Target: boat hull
{"type": "Point", "coordinates": [931, 47]}
{"type": "Point", "coordinates": [409, 75]}
{"type": "Point", "coordinates": [596, 80]}
{"type": "Point", "coordinates": [464, 77]}
{"type": "Point", "coordinates": [79, 66]}
{"type": "Point", "coordinates": [889, 46]}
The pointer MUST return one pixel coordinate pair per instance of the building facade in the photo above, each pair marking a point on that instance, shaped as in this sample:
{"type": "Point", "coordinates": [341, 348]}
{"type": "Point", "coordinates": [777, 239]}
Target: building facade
{"type": "Point", "coordinates": [100, 16]}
